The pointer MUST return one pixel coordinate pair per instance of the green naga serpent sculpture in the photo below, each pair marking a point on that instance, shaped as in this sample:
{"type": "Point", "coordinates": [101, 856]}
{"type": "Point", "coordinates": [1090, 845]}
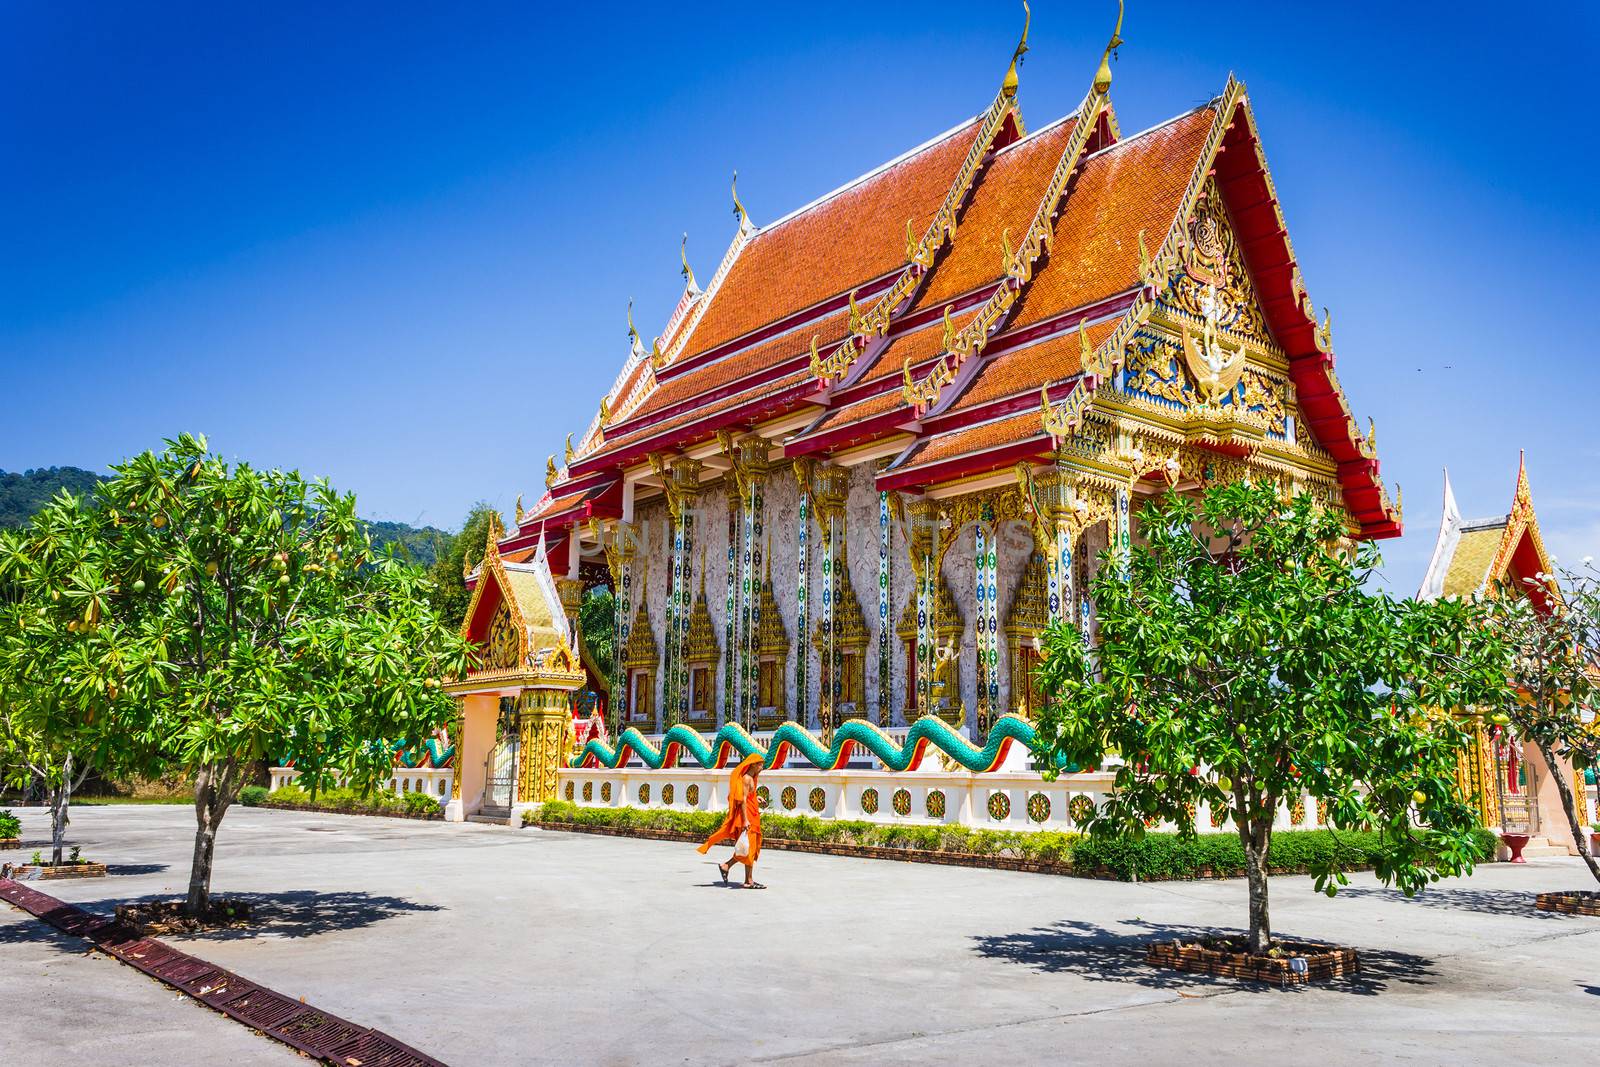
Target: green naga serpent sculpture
{"type": "Point", "coordinates": [732, 743]}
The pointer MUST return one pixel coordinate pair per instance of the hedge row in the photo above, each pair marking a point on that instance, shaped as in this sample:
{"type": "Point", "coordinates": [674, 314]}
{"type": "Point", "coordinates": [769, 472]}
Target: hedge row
{"type": "Point", "coordinates": [376, 802]}
{"type": "Point", "coordinates": [1158, 856]}
{"type": "Point", "coordinates": [1153, 857]}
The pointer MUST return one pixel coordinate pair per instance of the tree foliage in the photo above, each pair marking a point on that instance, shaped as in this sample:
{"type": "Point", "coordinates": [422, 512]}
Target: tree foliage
{"type": "Point", "coordinates": [449, 593]}
{"type": "Point", "coordinates": [598, 620]}
{"type": "Point", "coordinates": [63, 712]}
{"type": "Point", "coordinates": [1552, 624]}
{"type": "Point", "coordinates": [234, 613]}
{"type": "Point", "coordinates": [1240, 663]}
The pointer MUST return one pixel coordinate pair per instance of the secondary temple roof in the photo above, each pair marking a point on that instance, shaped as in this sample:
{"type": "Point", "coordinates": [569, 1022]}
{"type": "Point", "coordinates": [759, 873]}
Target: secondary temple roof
{"type": "Point", "coordinates": [1473, 556]}
{"type": "Point", "coordinates": [913, 315]}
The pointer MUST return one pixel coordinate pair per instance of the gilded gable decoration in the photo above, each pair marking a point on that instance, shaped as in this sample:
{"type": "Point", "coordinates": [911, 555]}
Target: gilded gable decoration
{"type": "Point", "coordinates": [1209, 282]}
{"type": "Point", "coordinates": [504, 641]}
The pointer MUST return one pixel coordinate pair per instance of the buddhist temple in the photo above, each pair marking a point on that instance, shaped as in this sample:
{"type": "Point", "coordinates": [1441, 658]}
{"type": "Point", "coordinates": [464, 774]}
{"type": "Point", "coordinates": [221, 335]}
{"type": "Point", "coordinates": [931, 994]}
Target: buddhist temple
{"type": "Point", "coordinates": [883, 441]}
{"type": "Point", "coordinates": [1504, 555]}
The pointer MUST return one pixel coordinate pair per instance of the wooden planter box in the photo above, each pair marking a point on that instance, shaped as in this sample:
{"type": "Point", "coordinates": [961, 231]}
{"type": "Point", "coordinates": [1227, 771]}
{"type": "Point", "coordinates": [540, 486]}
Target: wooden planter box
{"type": "Point", "coordinates": [28, 872]}
{"type": "Point", "coordinates": [10, 842]}
{"type": "Point", "coordinates": [1580, 902]}
{"type": "Point", "coordinates": [158, 917]}
{"type": "Point", "coordinates": [1301, 963]}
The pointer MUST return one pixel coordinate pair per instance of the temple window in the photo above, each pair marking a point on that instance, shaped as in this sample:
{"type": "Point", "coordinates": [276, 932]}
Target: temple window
{"type": "Point", "coordinates": [772, 651]}
{"type": "Point", "coordinates": [1024, 624]}
{"type": "Point", "coordinates": [850, 641]}
{"type": "Point", "coordinates": [945, 693]}
{"type": "Point", "coordinates": [639, 659]}
{"type": "Point", "coordinates": [704, 693]}
{"type": "Point", "coordinates": [701, 656]}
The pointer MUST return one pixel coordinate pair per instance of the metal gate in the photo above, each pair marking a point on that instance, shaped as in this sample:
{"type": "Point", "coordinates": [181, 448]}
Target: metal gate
{"type": "Point", "coordinates": [500, 778]}
{"type": "Point", "coordinates": [1514, 783]}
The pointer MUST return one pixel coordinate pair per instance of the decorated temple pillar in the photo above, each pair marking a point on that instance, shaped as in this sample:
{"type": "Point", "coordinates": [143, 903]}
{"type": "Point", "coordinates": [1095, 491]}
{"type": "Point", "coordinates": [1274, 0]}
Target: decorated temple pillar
{"type": "Point", "coordinates": [832, 489]}
{"type": "Point", "coordinates": [681, 482]}
{"type": "Point", "coordinates": [570, 592]}
{"type": "Point", "coordinates": [1058, 513]}
{"type": "Point", "coordinates": [545, 729]}
{"type": "Point", "coordinates": [986, 583]}
{"type": "Point", "coordinates": [885, 590]}
{"type": "Point", "coordinates": [802, 691]}
{"type": "Point", "coordinates": [922, 521]}
{"type": "Point", "coordinates": [620, 548]}
{"type": "Point", "coordinates": [750, 469]}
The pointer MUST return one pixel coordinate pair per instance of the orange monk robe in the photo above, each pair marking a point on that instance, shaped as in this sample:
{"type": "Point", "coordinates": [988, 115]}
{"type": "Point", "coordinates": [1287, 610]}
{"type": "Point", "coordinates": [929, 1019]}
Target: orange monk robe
{"type": "Point", "coordinates": [744, 812]}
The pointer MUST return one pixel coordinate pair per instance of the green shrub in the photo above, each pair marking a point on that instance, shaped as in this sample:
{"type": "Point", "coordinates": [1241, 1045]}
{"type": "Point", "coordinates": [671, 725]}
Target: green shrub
{"type": "Point", "coordinates": [251, 795]}
{"type": "Point", "coordinates": [290, 794]}
{"type": "Point", "coordinates": [1044, 845]}
{"type": "Point", "coordinates": [1172, 856]}
{"type": "Point", "coordinates": [1154, 856]}
{"type": "Point", "coordinates": [10, 825]}
{"type": "Point", "coordinates": [419, 804]}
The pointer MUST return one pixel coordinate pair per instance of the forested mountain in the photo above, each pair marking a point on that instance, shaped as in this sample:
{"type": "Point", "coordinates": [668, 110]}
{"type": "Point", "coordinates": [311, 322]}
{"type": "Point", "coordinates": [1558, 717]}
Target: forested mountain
{"type": "Point", "coordinates": [21, 495]}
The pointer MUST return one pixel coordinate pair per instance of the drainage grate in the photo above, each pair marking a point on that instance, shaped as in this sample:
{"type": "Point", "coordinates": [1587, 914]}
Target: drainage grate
{"type": "Point", "coordinates": [316, 1033]}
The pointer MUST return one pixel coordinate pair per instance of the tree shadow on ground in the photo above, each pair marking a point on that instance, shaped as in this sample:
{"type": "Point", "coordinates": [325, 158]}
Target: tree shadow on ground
{"type": "Point", "coordinates": [136, 868]}
{"type": "Point", "coordinates": [27, 930]}
{"type": "Point", "coordinates": [1509, 902]}
{"type": "Point", "coordinates": [303, 913]}
{"type": "Point", "coordinates": [1104, 955]}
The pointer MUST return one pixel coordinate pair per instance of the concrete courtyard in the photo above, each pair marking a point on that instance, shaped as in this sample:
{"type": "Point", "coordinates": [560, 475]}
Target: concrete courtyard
{"type": "Point", "coordinates": [484, 945]}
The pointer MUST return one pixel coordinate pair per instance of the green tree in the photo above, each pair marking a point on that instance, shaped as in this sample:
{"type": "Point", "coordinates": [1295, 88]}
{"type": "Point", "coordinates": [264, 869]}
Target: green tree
{"type": "Point", "coordinates": [598, 620]}
{"type": "Point", "coordinates": [1552, 625]}
{"type": "Point", "coordinates": [60, 713]}
{"type": "Point", "coordinates": [1240, 662]}
{"type": "Point", "coordinates": [448, 592]}
{"type": "Point", "coordinates": [252, 616]}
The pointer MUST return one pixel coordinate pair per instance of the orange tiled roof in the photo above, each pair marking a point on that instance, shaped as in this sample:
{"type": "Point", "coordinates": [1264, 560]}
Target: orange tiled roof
{"type": "Point", "coordinates": [1024, 370]}
{"type": "Point", "coordinates": [1132, 185]}
{"type": "Point", "coordinates": [1006, 198]}
{"type": "Point", "coordinates": [702, 380]}
{"type": "Point", "coordinates": [841, 242]}
{"type": "Point", "coordinates": [971, 439]}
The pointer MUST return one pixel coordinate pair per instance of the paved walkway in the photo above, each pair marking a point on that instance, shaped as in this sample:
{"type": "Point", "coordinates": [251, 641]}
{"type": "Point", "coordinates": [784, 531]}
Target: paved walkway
{"type": "Point", "coordinates": [483, 945]}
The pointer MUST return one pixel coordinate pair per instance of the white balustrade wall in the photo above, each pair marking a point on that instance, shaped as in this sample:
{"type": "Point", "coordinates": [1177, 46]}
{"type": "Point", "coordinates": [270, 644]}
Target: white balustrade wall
{"type": "Point", "coordinates": [433, 781]}
{"type": "Point", "coordinates": [1000, 800]}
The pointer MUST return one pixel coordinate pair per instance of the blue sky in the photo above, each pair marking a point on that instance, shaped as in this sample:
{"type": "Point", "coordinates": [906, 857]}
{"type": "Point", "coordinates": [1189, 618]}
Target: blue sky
{"type": "Point", "coordinates": [394, 244]}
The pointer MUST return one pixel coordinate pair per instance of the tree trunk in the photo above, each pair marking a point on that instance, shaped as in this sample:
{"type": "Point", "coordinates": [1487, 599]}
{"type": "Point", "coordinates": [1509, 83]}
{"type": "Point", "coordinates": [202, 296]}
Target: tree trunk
{"type": "Point", "coordinates": [60, 802]}
{"type": "Point", "coordinates": [60, 798]}
{"type": "Point", "coordinates": [1255, 834]}
{"type": "Point", "coordinates": [1569, 807]}
{"type": "Point", "coordinates": [213, 792]}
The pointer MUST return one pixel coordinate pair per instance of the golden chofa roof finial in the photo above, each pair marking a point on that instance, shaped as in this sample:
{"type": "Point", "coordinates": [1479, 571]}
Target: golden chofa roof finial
{"type": "Point", "coordinates": [1102, 77]}
{"type": "Point", "coordinates": [745, 224]}
{"type": "Point", "coordinates": [688, 271]}
{"type": "Point", "coordinates": [1009, 86]}
{"type": "Point", "coordinates": [635, 346]}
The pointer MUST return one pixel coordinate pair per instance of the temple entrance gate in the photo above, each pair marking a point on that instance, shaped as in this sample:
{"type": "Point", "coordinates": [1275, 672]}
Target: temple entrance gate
{"type": "Point", "coordinates": [500, 769]}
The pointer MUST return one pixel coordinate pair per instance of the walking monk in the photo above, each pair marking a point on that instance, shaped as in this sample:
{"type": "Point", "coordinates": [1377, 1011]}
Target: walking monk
{"type": "Point", "coordinates": [742, 825]}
